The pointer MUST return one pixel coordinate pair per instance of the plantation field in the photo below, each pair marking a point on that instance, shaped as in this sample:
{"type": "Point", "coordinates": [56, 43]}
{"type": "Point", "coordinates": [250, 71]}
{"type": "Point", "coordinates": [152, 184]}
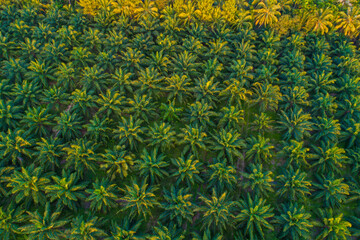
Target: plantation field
{"type": "Point", "coordinates": [179, 119]}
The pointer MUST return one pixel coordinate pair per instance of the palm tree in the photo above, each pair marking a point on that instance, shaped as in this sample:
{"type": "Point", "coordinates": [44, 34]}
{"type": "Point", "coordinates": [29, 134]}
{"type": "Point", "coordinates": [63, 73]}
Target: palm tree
{"type": "Point", "coordinates": [293, 184]}
{"type": "Point", "coordinates": [66, 190]}
{"type": "Point", "coordinates": [68, 125]}
{"type": "Point", "coordinates": [28, 185]}
{"type": "Point", "coordinates": [44, 226]}
{"type": "Point", "coordinates": [322, 83]}
{"type": "Point", "coordinates": [48, 152]}
{"type": "Point", "coordinates": [27, 94]}
{"type": "Point", "coordinates": [228, 144]}
{"type": "Point", "coordinates": [117, 161]}
{"type": "Point", "coordinates": [331, 190]}
{"type": "Point", "coordinates": [231, 117]}
{"type": "Point", "coordinates": [10, 220]}
{"type": "Point", "coordinates": [221, 176]}
{"type": "Point", "coordinates": [254, 214]}
{"type": "Point", "coordinates": [327, 129]}
{"type": "Point", "coordinates": [98, 129]}
{"type": "Point", "coordinates": [81, 156]}
{"type": "Point", "coordinates": [329, 157]}
{"type": "Point", "coordinates": [267, 12]}
{"type": "Point", "coordinates": [103, 195]}
{"type": "Point", "coordinates": [296, 96]}
{"type": "Point", "coordinates": [294, 222]}
{"type": "Point", "coordinates": [82, 101]}
{"type": "Point", "coordinates": [259, 180]}
{"type": "Point", "coordinates": [334, 227]}
{"type": "Point", "coordinates": [348, 22]}
{"type": "Point", "coordinates": [162, 136]}
{"type": "Point", "coordinates": [178, 206]}
{"type": "Point", "coordinates": [187, 169]}
{"type": "Point", "coordinates": [259, 149]}
{"type": "Point", "coordinates": [40, 73]}
{"type": "Point", "coordinates": [351, 133]}
{"type": "Point", "coordinates": [129, 132]}
{"type": "Point", "coordinates": [207, 89]}
{"type": "Point", "coordinates": [320, 21]}
{"type": "Point", "coordinates": [142, 106]}
{"type": "Point", "coordinates": [15, 146]}
{"type": "Point", "coordinates": [178, 88]}
{"type": "Point", "coordinates": [126, 230]}
{"type": "Point", "coordinates": [296, 124]}
{"type": "Point", "coordinates": [295, 153]}
{"type": "Point", "coordinates": [131, 59]}
{"type": "Point", "coordinates": [193, 137]}
{"type": "Point", "coordinates": [200, 113]}
{"type": "Point", "coordinates": [110, 103]}
{"type": "Point", "coordinates": [37, 121]}
{"type": "Point", "coordinates": [94, 78]}
{"type": "Point", "coordinates": [139, 199]}
{"type": "Point", "coordinates": [13, 69]}
{"type": "Point", "coordinates": [85, 229]}
{"type": "Point", "coordinates": [55, 97]}
{"type": "Point", "coordinates": [184, 63]}
{"type": "Point", "coordinates": [262, 123]}
{"type": "Point", "coordinates": [149, 82]}
{"type": "Point", "coordinates": [152, 165]}
{"type": "Point", "coordinates": [66, 74]}
{"type": "Point", "coordinates": [160, 61]}
{"type": "Point", "coordinates": [267, 96]}
{"type": "Point", "coordinates": [217, 211]}
{"type": "Point", "coordinates": [10, 114]}
{"type": "Point", "coordinates": [170, 112]}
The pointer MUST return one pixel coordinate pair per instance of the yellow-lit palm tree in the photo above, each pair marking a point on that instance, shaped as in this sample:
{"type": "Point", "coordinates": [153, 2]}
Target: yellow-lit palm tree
{"type": "Point", "coordinates": [267, 13]}
{"type": "Point", "coordinates": [320, 21]}
{"type": "Point", "coordinates": [349, 22]}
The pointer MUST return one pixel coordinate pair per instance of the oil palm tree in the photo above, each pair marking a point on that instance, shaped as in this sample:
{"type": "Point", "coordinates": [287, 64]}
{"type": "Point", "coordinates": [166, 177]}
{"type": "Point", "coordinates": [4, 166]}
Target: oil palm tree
{"type": "Point", "coordinates": [102, 195]}
{"type": "Point", "coordinates": [267, 96]}
{"type": "Point", "coordinates": [217, 211]}
{"type": "Point", "coordinates": [37, 121]}
{"type": "Point", "coordinates": [258, 180]}
{"type": "Point", "coordinates": [259, 149]}
{"type": "Point", "coordinates": [295, 222]}
{"type": "Point", "coordinates": [15, 146]}
{"type": "Point", "coordinates": [296, 124]}
{"type": "Point", "coordinates": [267, 13]}
{"type": "Point", "coordinates": [151, 165]}
{"type": "Point", "coordinates": [125, 230]}
{"type": "Point", "coordinates": [68, 125]}
{"type": "Point", "coordinates": [162, 136]}
{"type": "Point", "coordinates": [332, 191]}
{"type": "Point", "coordinates": [48, 152]}
{"type": "Point", "coordinates": [348, 22]}
{"type": "Point", "coordinates": [227, 143]}
{"type": "Point", "coordinates": [188, 169]}
{"type": "Point", "coordinates": [28, 185]}
{"type": "Point", "coordinates": [194, 138]}
{"type": "Point", "coordinates": [117, 161]}
{"type": "Point", "coordinates": [81, 156]}
{"type": "Point", "coordinates": [85, 229]}
{"type": "Point", "coordinates": [66, 190]}
{"type": "Point", "coordinates": [221, 176]}
{"type": "Point", "coordinates": [329, 157]}
{"type": "Point", "coordinates": [139, 199]}
{"type": "Point", "coordinates": [129, 131]}
{"type": "Point", "coordinates": [44, 226]}
{"type": "Point", "coordinates": [254, 214]}
{"type": "Point", "coordinates": [295, 153]}
{"type": "Point", "coordinates": [320, 20]}
{"type": "Point", "coordinates": [10, 219]}
{"type": "Point", "coordinates": [10, 114]}
{"type": "Point", "coordinates": [178, 207]}
{"type": "Point", "coordinates": [293, 184]}
{"type": "Point", "coordinates": [333, 226]}
{"type": "Point", "coordinates": [142, 106]}
{"type": "Point", "coordinates": [110, 103]}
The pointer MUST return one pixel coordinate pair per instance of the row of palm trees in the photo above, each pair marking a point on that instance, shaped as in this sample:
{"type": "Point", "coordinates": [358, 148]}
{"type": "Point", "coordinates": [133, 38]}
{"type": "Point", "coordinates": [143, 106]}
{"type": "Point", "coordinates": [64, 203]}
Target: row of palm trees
{"type": "Point", "coordinates": [308, 15]}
